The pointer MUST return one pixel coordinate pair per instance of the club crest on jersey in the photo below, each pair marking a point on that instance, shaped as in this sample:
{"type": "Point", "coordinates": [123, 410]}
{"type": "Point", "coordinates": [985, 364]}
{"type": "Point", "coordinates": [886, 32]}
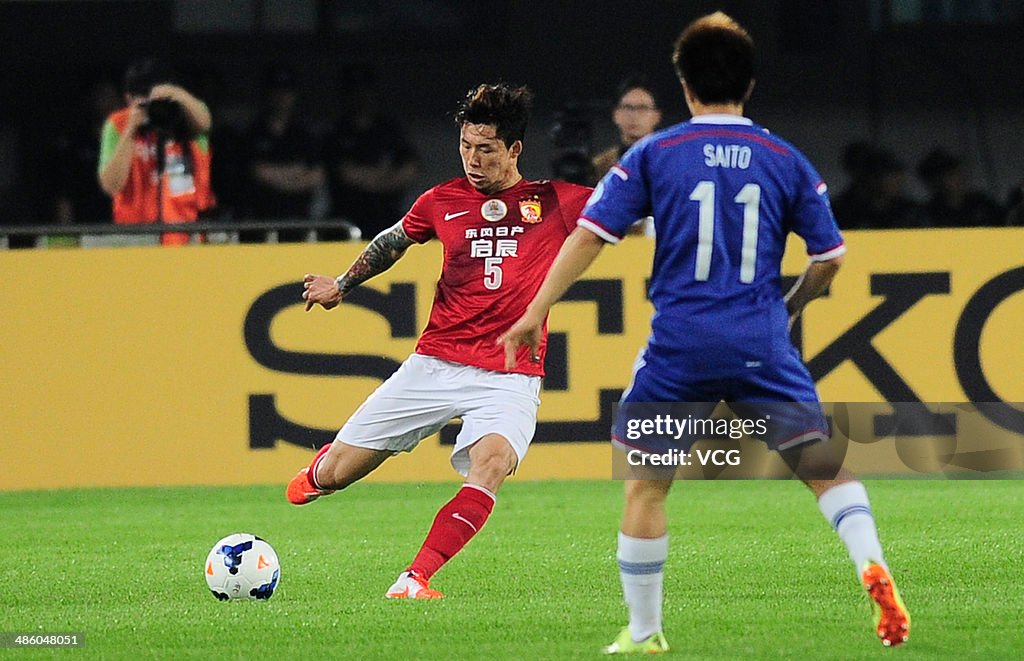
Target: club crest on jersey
{"type": "Point", "coordinates": [530, 210]}
{"type": "Point", "coordinates": [493, 210]}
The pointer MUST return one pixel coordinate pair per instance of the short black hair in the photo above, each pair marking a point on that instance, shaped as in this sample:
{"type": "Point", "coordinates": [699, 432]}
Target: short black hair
{"type": "Point", "coordinates": [714, 55]}
{"type": "Point", "coordinates": [635, 82]}
{"type": "Point", "coordinates": [143, 74]}
{"type": "Point", "coordinates": [506, 107]}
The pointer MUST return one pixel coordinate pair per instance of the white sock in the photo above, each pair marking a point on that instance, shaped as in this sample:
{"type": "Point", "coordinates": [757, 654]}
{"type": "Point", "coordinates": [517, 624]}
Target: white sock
{"type": "Point", "coordinates": [846, 508]}
{"type": "Point", "coordinates": [641, 567]}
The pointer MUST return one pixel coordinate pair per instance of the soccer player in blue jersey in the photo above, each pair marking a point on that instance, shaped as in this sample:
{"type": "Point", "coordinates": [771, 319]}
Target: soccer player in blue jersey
{"type": "Point", "coordinates": [724, 194]}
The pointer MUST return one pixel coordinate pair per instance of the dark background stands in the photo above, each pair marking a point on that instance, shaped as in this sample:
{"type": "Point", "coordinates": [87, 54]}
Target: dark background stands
{"type": "Point", "coordinates": [890, 73]}
{"type": "Point", "coordinates": [951, 203]}
{"type": "Point", "coordinates": [283, 159]}
{"type": "Point", "coordinates": [875, 197]}
{"type": "Point", "coordinates": [371, 159]}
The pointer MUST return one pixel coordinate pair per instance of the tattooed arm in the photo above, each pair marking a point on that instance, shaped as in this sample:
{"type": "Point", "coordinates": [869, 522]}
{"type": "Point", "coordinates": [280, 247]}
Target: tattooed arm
{"type": "Point", "coordinates": [385, 249]}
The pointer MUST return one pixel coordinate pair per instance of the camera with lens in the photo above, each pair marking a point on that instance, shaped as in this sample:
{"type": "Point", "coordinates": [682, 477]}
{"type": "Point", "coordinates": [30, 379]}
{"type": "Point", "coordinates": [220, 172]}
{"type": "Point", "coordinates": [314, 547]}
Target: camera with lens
{"type": "Point", "coordinates": [164, 116]}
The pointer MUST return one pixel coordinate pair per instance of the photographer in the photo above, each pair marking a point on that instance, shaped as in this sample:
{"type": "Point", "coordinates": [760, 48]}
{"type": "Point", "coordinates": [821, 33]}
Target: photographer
{"type": "Point", "coordinates": [154, 153]}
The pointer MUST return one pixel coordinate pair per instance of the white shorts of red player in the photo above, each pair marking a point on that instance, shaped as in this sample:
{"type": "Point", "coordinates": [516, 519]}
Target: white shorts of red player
{"type": "Point", "coordinates": [426, 393]}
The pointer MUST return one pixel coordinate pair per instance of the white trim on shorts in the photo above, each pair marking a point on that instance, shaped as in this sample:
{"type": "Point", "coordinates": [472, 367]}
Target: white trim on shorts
{"type": "Point", "coordinates": [800, 439]}
{"type": "Point", "coordinates": [638, 365]}
{"type": "Point", "coordinates": [426, 393]}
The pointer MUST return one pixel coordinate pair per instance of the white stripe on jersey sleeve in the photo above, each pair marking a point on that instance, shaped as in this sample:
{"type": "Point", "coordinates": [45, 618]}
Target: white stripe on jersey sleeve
{"type": "Point", "coordinates": [598, 230]}
{"type": "Point", "coordinates": [830, 254]}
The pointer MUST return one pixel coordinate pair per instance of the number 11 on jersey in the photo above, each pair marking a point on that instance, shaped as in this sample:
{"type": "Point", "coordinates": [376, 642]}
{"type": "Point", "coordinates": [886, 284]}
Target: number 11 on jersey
{"type": "Point", "coordinates": [750, 197]}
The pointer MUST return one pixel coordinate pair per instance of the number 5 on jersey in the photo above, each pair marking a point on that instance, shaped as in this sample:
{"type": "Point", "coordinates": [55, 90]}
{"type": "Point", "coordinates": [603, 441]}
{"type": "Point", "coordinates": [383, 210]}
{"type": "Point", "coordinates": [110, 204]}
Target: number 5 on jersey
{"type": "Point", "coordinates": [492, 272]}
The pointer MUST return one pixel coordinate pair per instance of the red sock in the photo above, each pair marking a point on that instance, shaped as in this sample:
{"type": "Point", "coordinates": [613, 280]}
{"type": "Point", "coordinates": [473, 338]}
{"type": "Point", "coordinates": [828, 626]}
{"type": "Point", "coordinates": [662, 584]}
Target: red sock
{"type": "Point", "coordinates": [455, 524]}
{"type": "Point", "coordinates": [313, 464]}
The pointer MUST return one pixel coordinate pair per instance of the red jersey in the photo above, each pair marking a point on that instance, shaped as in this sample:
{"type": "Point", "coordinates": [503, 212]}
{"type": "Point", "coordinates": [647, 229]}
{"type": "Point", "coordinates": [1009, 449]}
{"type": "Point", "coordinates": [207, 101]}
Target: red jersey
{"type": "Point", "coordinates": [497, 250]}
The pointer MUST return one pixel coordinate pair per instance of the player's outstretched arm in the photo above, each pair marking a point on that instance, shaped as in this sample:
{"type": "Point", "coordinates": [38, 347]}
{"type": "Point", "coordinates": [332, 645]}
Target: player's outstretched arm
{"type": "Point", "coordinates": [380, 255]}
{"type": "Point", "coordinates": [812, 283]}
{"type": "Point", "coordinates": [577, 253]}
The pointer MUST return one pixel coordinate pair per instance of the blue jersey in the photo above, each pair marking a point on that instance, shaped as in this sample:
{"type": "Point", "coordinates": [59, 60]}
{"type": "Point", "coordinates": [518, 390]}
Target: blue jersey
{"type": "Point", "coordinates": [724, 194]}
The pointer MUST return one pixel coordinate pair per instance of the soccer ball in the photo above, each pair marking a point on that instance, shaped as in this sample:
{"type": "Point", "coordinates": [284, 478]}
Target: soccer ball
{"type": "Point", "coordinates": [242, 566]}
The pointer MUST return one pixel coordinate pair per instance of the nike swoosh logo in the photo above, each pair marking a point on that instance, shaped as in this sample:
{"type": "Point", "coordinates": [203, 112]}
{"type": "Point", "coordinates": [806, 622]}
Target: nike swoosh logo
{"type": "Point", "coordinates": [459, 517]}
{"type": "Point", "coordinates": [449, 216]}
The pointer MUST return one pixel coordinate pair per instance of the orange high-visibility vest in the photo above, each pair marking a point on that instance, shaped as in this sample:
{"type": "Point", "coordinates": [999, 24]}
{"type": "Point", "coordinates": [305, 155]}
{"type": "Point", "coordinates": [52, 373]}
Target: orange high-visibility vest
{"type": "Point", "coordinates": [178, 196]}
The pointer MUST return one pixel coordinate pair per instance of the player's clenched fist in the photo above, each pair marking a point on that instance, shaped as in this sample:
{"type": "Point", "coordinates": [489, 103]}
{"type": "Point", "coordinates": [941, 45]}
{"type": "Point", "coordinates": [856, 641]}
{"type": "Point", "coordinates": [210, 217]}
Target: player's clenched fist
{"type": "Point", "coordinates": [320, 289]}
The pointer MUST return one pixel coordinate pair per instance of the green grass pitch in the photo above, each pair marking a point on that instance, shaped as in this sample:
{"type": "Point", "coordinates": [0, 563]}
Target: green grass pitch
{"type": "Point", "coordinates": [753, 572]}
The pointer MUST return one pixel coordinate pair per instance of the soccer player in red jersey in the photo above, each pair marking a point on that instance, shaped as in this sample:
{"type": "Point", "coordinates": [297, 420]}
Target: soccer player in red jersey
{"type": "Point", "coordinates": [500, 235]}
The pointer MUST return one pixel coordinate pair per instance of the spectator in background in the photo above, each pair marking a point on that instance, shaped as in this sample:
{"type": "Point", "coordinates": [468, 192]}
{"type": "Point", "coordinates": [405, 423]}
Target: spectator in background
{"type": "Point", "coordinates": [950, 204]}
{"type": "Point", "coordinates": [875, 198]}
{"type": "Point", "coordinates": [77, 196]}
{"type": "Point", "coordinates": [372, 162]}
{"type": "Point", "coordinates": [284, 164]}
{"type": "Point", "coordinates": [636, 115]}
{"type": "Point", "coordinates": [154, 153]}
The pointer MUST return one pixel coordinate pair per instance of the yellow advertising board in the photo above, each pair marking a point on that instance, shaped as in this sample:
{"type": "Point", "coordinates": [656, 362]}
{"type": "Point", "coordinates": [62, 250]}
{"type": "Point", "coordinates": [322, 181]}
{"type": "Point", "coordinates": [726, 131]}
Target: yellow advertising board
{"type": "Point", "coordinates": [198, 365]}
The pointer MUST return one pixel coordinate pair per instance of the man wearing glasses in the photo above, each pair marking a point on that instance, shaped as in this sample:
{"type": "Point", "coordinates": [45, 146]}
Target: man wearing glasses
{"type": "Point", "coordinates": [636, 115]}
